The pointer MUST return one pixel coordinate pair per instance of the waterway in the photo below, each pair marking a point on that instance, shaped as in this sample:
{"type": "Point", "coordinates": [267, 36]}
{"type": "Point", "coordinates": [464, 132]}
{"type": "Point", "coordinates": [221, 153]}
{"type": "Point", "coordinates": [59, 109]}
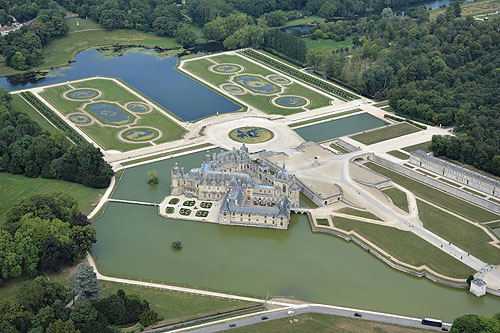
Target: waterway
{"type": "Point", "coordinates": [150, 72]}
{"type": "Point", "coordinates": [134, 242]}
{"type": "Point", "coordinates": [339, 127]}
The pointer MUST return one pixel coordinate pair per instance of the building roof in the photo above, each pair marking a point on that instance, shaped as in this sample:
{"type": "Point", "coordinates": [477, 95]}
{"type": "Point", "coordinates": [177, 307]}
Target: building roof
{"type": "Point", "coordinates": [479, 282]}
{"type": "Point", "coordinates": [472, 174]}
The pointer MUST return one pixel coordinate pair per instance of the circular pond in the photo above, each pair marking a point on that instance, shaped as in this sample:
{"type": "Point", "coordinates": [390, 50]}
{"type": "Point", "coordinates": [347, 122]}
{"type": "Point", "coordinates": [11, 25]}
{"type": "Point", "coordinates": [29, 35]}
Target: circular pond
{"type": "Point", "coordinates": [108, 113]}
{"type": "Point", "coordinates": [290, 101]}
{"type": "Point", "coordinates": [279, 79]}
{"type": "Point", "coordinates": [139, 134]}
{"type": "Point", "coordinates": [251, 134]}
{"type": "Point", "coordinates": [80, 119]}
{"type": "Point", "coordinates": [82, 94]}
{"type": "Point", "coordinates": [257, 84]}
{"type": "Point", "coordinates": [226, 68]}
{"type": "Point", "coordinates": [138, 107]}
{"type": "Point", "coordinates": [233, 89]}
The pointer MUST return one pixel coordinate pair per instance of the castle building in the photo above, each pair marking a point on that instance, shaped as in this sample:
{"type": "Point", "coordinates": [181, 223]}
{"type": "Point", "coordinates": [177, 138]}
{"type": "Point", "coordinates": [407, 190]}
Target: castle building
{"type": "Point", "coordinates": [250, 194]}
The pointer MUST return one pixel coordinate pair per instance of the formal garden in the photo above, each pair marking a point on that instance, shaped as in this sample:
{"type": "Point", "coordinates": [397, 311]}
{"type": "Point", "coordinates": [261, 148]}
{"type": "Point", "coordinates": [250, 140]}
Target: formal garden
{"type": "Point", "coordinates": [112, 115]}
{"type": "Point", "coordinates": [269, 91]}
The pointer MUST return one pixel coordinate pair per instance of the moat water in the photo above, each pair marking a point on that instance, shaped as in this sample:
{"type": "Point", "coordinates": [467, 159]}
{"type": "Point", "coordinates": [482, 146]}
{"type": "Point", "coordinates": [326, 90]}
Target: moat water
{"type": "Point", "coordinates": [134, 242]}
{"type": "Point", "coordinates": [148, 71]}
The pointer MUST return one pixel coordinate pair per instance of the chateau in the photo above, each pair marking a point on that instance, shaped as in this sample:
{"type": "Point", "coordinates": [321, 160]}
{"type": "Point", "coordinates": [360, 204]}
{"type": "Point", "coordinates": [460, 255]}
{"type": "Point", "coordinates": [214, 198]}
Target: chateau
{"type": "Point", "coordinates": [249, 192]}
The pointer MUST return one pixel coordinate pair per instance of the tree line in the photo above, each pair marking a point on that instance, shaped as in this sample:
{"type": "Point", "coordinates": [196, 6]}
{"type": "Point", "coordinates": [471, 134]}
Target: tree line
{"type": "Point", "coordinates": [28, 150]}
{"type": "Point", "coordinates": [22, 48]}
{"type": "Point", "coordinates": [40, 306]}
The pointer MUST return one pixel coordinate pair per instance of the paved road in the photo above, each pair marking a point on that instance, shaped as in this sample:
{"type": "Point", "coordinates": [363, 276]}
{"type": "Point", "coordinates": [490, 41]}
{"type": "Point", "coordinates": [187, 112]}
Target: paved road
{"type": "Point", "coordinates": [312, 308]}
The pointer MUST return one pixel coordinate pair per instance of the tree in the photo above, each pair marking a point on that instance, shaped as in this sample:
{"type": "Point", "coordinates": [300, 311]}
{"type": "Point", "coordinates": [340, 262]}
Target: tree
{"type": "Point", "coordinates": [112, 19]}
{"type": "Point", "coordinates": [60, 326]}
{"type": "Point", "coordinates": [152, 177]}
{"type": "Point", "coordinates": [39, 293]}
{"type": "Point", "coordinates": [10, 260]}
{"type": "Point", "coordinates": [83, 313]}
{"type": "Point", "coordinates": [84, 282]}
{"type": "Point", "coordinates": [466, 324]}
{"type": "Point", "coordinates": [82, 238]}
{"type": "Point", "coordinates": [56, 254]}
{"type": "Point", "coordinates": [113, 308]}
{"type": "Point", "coordinates": [276, 18]}
{"type": "Point", "coordinates": [18, 61]}
{"type": "Point", "coordinates": [184, 35]}
{"type": "Point", "coordinates": [164, 26]}
{"type": "Point", "coordinates": [176, 245]}
{"type": "Point", "coordinates": [148, 317]}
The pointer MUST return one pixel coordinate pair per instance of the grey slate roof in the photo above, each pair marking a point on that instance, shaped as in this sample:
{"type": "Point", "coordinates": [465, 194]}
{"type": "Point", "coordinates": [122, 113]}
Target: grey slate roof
{"type": "Point", "coordinates": [479, 282]}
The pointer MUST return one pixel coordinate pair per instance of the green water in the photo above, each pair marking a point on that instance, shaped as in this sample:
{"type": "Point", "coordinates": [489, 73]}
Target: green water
{"type": "Point", "coordinates": [134, 242]}
{"type": "Point", "coordinates": [339, 127]}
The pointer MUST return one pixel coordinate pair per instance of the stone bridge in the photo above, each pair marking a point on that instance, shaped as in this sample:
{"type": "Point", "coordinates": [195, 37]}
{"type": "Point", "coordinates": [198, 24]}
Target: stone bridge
{"type": "Point", "coordinates": [143, 203]}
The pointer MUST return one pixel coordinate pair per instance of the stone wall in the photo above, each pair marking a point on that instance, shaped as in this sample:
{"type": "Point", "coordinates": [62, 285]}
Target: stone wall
{"type": "Point", "coordinates": [346, 145]}
{"type": "Point", "coordinates": [436, 183]}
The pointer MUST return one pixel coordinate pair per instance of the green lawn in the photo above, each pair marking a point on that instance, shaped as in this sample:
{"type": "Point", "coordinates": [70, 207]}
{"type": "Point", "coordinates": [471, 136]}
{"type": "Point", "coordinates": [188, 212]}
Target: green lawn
{"type": "Point", "coordinates": [328, 44]}
{"type": "Point", "coordinates": [20, 105]}
{"type": "Point", "coordinates": [440, 198]}
{"type": "Point", "coordinates": [385, 133]}
{"type": "Point", "coordinates": [466, 236]}
{"type": "Point", "coordinates": [83, 24]}
{"type": "Point", "coordinates": [494, 200]}
{"type": "Point", "coordinates": [421, 146]}
{"type": "Point", "coordinates": [17, 187]}
{"type": "Point", "coordinates": [335, 115]}
{"type": "Point", "coordinates": [316, 322]}
{"type": "Point", "coordinates": [407, 247]}
{"type": "Point", "coordinates": [106, 136]}
{"type": "Point", "coordinates": [338, 148]}
{"type": "Point", "coordinates": [474, 192]}
{"type": "Point", "coordinates": [381, 104]}
{"type": "Point", "coordinates": [357, 212]}
{"type": "Point", "coordinates": [199, 67]}
{"type": "Point", "coordinates": [176, 306]}
{"type": "Point", "coordinates": [398, 198]}
{"type": "Point", "coordinates": [399, 154]}
{"type": "Point", "coordinates": [61, 51]}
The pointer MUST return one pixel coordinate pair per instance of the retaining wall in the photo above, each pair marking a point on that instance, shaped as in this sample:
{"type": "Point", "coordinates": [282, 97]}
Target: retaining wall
{"type": "Point", "coordinates": [436, 183]}
{"type": "Point", "coordinates": [347, 145]}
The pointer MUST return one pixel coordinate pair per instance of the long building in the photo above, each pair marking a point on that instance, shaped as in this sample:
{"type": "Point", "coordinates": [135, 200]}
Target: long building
{"type": "Point", "coordinates": [456, 173]}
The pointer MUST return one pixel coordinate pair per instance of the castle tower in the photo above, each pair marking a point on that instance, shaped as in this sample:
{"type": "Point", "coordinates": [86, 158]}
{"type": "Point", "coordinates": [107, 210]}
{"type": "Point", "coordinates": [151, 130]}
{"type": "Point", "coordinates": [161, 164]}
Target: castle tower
{"type": "Point", "coordinates": [176, 187]}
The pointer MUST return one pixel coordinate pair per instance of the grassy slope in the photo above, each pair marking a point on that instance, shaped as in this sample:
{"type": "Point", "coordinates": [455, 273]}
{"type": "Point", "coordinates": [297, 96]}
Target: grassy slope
{"type": "Point", "coordinates": [17, 187]}
{"type": "Point", "coordinates": [315, 322]}
{"type": "Point", "coordinates": [398, 198]}
{"type": "Point", "coordinates": [463, 234]}
{"type": "Point", "coordinates": [385, 133]}
{"type": "Point", "coordinates": [398, 154]}
{"type": "Point", "coordinates": [61, 51]}
{"type": "Point", "coordinates": [339, 114]}
{"type": "Point", "coordinates": [421, 146]}
{"type": "Point", "coordinates": [406, 247]}
{"type": "Point", "coordinates": [440, 198]}
{"type": "Point", "coordinates": [356, 212]}
{"type": "Point", "coordinates": [18, 104]}
{"type": "Point", "coordinates": [177, 306]}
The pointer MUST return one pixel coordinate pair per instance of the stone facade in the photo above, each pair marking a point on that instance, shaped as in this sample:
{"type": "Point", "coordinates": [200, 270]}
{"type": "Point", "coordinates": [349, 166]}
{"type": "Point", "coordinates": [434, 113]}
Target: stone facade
{"type": "Point", "coordinates": [456, 173]}
{"type": "Point", "coordinates": [478, 287]}
{"type": "Point", "coordinates": [249, 193]}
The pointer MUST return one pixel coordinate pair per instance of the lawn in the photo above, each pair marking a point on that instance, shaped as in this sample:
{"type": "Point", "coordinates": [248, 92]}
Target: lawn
{"type": "Point", "coordinates": [440, 198]}
{"type": "Point", "coordinates": [381, 104]}
{"type": "Point", "coordinates": [356, 212]}
{"type": "Point", "coordinates": [199, 68]}
{"type": "Point", "coordinates": [17, 187]}
{"type": "Point", "coordinates": [399, 154]}
{"type": "Point", "coordinates": [78, 24]}
{"type": "Point", "coordinates": [176, 306]}
{"type": "Point", "coordinates": [471, 8]}
{"type": "Point", "coordinates": [328, 44]}
{"type": "Point", "coordinates": [398, 198]}
{"type": "Point", "coordinates": [335, 115]}
{"type": "Point", "coordinates": [407, 247]}
{"type": "Point", "coordinates": [61, 51]}
{"type": "Point", "coordinates": [420, 146]}
{"type": "Point", "coordinates": [338, 148]}
{"type": "Point", "coordinates": [106, 136]}
{"type": "Point", "coordinates": [466, 236]}
{"type": "Point", "coordinates": [20, 105]}
{"type": "Point", "coordinates": [316, 322]}
{"type": "Point", "coordinates": [385, 133]}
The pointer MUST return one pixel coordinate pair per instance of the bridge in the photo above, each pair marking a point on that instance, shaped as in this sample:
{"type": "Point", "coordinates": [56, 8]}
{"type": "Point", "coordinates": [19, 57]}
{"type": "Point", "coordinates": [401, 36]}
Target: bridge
{"type": "Point", "coordinates": [299, 210]}
{"type": "Point", "coordinates": [143, 203]}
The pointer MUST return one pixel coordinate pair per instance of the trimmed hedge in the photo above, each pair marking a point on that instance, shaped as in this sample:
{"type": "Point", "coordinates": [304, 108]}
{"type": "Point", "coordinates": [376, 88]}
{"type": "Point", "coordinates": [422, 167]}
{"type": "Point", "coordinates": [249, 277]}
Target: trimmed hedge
{"type": "Point", "coordinates": [300, 75]}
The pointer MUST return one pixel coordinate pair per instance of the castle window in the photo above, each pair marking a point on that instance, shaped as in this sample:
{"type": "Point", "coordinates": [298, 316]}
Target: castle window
{"type": "Point", "coordinates": [281, 223]}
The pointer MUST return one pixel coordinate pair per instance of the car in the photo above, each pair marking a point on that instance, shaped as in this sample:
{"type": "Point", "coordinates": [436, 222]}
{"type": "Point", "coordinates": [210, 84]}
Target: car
{"type": "Point", "coordinates": [232, 325]}
{"type": "Point", "coordinates": [264, 318]}
{"type": "Point", "coordinates": [357, 314]}
{"type": "Point", "coordinates": [444, 329]}
{"type": "Point", "coordinates": [291, 312]}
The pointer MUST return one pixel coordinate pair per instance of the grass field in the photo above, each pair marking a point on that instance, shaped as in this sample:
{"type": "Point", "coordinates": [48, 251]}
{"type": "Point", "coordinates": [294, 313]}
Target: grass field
{"type": "Point", "coordinates": [466, 236]}
{"type": "Point", "coordinates": [471, 8]}
{"type": "Point", "coordinates": [399, 154]}
{"type": "Point", "coordinates": [381, 104]}
{"type": "Point", "coordinates": [176, 306]}
{"type": "Point", "coordinates": [338, 148]}
{"type": "Point", "coordinates": [407, 247]}
{"type": "Point", "coordinates": [474, 192]}
{"type": "Point", "coordinates": [421, 146]}
{"type": "Point", "coordinates": [106, 136]}
{"type": "Point", "coordinates": [199, 68]}
{"type": "Point", "coordinates": [316, 322]}
{"type": "Point", "coordinates": [440, 198]}
{"type": "Point", "coordinates": [61, 51]}
{"type": "Point", "coordinates": [19, 104]}
{"type": "Point", "coordinates": [328, 44]}
{"type": "Point", "coordinates": [385, 133]}
{"type": "Point", "coordinates": [336, 115]}
{"type": "Point", "coordinates": [17, 187]}
{"type": "Point", "coordinates": [398, 198]}
{"type": "Point", "coordinates": [357, 212]}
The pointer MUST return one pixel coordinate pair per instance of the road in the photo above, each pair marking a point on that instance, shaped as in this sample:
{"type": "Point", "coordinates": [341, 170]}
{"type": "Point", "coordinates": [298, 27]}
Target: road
{"type": "Point", "coordinates": [313, 308]}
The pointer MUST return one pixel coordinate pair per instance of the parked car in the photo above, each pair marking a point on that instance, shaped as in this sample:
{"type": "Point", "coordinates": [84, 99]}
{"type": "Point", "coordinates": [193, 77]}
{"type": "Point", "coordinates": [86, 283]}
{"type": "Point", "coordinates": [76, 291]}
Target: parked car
{"type": "Point", "coordinates": [291, 312]}
{"type": "Point", "coordinates": [444, 329]}
{"type": "Point", "coordinates": [264, 318]}
{"type": "Point", "coordinates": [357, 314]}
{"type": "Point", "coordinates": [232, 325]}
